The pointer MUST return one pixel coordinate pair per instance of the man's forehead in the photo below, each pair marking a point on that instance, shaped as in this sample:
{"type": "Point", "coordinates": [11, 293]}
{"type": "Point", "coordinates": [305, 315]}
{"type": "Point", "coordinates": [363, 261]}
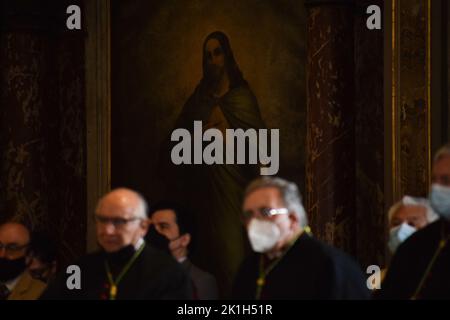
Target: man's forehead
{"type": "Point", "coordinates": [266, 196]}
{"type": "Point", "coordinates": [410, 210]}
{"type": "Point", "coordinates": [14, 233]}
{"type": "Point", "coordinates": [116, 210]}
{"type": "Point", "coordinates": [119, 204]}
{"type": "Point", "coordinates": [442, 166]}
{"type": "Point", "coordinates": [164, 215]}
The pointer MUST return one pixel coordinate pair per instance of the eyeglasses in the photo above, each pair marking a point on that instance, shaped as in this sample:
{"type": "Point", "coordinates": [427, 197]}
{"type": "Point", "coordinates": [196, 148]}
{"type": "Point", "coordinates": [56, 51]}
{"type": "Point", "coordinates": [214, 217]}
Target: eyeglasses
{"type": "Point", "coordinates": [116, 222]}
{"type": "Point", "coordinates": [12, 248]}
{"type": "Point", "coordinates": [264, 212]}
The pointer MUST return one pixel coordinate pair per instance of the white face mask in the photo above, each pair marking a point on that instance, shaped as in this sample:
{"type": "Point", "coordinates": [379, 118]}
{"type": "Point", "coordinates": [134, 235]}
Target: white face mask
{"type": "Point", "coordinates": [263, 235]}
{"type": "Point", "coordinates": [440, 200]}
{"type": "Point", "coordinates": [399, 234]}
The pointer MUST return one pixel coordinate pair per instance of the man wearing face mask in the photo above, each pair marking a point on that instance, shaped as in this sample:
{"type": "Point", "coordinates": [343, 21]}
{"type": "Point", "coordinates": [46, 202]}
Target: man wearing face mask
{"type": "Point", "coordinates": [288, 263]}
{"type": "Point", "coordinates": [125, 267]}
{"type": "Point", "coordinates": [406, 217]}
{"type": "Point", "coordinates": [420, 266]}
{"type": "Point", "coordinates": [16, 282]}
{"type": "Point", "coordinates": [173, 222]}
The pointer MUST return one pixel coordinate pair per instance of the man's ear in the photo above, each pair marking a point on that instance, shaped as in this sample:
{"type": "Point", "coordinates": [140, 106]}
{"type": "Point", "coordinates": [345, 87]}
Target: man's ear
{"type": "Point", "coordinates": [185, 239]}
{"type": "Point", "coordinates": [145, 224]}
{"type": "Point", "coordinates": [293, 218]}
{"type": "Point", "coordinates": [28, 259]}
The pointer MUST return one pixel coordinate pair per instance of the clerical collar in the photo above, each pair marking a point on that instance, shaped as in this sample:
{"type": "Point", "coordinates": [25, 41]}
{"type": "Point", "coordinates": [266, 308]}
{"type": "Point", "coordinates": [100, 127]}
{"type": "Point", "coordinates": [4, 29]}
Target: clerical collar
{"type": "Point", "coordinates": [274, 255]}
{"type": "Point", "coordinates": [442, 244]}
{"type": "Point", "coordinates": [119, 258]}
{"type": "Point", "coordinates": [138, 244]}
{"type": "Point", "coordinates": [280, 253]}
{"type": "Point", "coordinates": [115, 280]}
{"type": "Point", "coordinates": [182, 259]}
{"type": "Point", "coordinates": [265, 270]}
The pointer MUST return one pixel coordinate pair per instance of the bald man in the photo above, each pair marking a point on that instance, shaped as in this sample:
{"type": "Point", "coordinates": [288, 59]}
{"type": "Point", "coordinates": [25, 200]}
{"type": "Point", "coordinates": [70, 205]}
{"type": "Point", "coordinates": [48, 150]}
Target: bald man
{"type": "Point", "coordinates": [125, 267]}
{"type": "Point", "coordinates": [15, 281]}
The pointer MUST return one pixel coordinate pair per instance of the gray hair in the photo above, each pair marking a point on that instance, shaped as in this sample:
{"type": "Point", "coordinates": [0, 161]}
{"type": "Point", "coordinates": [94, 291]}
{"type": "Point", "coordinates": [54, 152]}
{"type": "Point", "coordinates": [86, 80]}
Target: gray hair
{"type": "Point", "coordinates": [289, 193]}
{"type": "Point", "coordinates": [443, 151]}
{"type": "Point", "coordinates": [431, 216]}
{"type": "Point", "coordinates": [142, 207]}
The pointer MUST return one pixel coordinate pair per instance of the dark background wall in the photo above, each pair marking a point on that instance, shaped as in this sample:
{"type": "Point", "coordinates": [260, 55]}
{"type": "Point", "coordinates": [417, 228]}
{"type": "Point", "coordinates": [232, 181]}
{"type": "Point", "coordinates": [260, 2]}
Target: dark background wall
{"type": "Point", "coordinates": [42, 122]}
{"type": "Point", "coordinates": [369, 139]}
{"type": "Point", "coordinates": [156, 64]}
{"type": "Point", "coordinates": [156, 59]}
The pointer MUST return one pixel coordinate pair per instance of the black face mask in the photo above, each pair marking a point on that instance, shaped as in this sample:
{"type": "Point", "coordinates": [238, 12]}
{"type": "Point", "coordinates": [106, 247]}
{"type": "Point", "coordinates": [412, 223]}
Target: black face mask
{"type": "Point", "coordinates": [10, 269]}
{"type": "Point", "coordinates": [157, 240]}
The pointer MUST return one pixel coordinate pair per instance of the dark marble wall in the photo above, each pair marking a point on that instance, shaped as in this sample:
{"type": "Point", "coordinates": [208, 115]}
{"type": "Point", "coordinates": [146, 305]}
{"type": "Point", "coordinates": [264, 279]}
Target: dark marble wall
{"type": "Point", "coordinates": [412, 99]}
{"type": "Point", "coordinates": [42, 116]}
{"type": "Point", "coordinates": [330, 170]}
{"type": "Point", "coordinates": [42, 122]}
{"type": "Point", "coordinates": [369, 137]}
{"type": "Point", "coordinates": [345, 167]}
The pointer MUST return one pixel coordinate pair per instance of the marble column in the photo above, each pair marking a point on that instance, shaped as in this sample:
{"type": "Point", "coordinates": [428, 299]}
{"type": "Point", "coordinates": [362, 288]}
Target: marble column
{"type": "Point", "coordinates": [330, 169]}
{"type": "Point", "coordinates": [42, 122]}
{"type": "Point", "coordinates": [371, 231]}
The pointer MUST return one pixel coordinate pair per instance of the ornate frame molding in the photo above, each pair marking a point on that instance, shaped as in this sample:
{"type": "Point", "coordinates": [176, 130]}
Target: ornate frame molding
{"type": "Point", "coordinates": [394, 82]}
{"type": "Point", "coordinates": [98, 108]}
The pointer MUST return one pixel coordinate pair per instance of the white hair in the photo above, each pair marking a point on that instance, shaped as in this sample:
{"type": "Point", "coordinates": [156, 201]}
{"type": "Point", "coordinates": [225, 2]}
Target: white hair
{"type": "Point", "coordinates": [289, 193]}
{"type": "Point", "coordinates": [443, 151]}
{"type": "Point", "coordinates": [431, 216]}
{"type": "Point", "coordinates": [141, 210]}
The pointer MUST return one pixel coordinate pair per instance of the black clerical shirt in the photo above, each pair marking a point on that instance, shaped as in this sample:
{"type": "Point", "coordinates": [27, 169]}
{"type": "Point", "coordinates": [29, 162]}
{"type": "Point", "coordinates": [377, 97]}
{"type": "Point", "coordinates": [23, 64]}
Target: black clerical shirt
{"type": "Point", "coordinates": [309, 270]}
{"type": "Point", "coordinates": [407, 276]}
{"type": "Point", "coordinates": [154, 275]}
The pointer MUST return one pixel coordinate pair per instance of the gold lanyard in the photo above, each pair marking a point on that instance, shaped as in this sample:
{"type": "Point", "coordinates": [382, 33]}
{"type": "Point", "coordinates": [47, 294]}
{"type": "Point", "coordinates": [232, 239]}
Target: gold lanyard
{"type": "Point", "coordinates": [261, 281]}
{"type": "Point", "coordinates": [114, 283]}
{"type": "Point", "coordinates": [441, 246]}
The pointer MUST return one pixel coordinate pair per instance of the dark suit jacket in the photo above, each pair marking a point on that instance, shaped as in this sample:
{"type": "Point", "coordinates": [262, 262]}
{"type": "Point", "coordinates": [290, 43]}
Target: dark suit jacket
{"type": "Point", "coordinates": [154, 275]}
{"type": "Point", "coordinates": [411, 261]}
{"type": "Point", "coordinates": [27, 288]}
{"type": "Point", "coordinates": [205, 285]}
{"type": "Point", "coordinates": [309, 270]}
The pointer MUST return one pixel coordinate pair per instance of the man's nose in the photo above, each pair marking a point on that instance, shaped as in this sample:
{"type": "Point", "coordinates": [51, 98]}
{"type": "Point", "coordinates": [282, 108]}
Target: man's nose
{"type": "Point", "coordinates": [109, 228]}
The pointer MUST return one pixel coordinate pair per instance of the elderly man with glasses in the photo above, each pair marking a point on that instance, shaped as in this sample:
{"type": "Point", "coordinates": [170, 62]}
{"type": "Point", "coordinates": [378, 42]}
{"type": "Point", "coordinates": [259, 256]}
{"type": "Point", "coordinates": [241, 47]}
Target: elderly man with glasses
{"type": "Point", "coordinates": [16, 282]}
{"type": "Point", "coordinates": [125, 267]}
{"type": "Point", "coordinates": [287, 262]}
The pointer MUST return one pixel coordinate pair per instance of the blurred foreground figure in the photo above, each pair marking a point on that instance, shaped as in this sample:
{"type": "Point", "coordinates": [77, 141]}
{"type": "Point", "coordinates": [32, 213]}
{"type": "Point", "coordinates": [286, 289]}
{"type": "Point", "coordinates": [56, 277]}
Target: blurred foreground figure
{"type": "Point", "coordinates": [420, 266]}
{"type": "Point", "coordinates": [16, 282]}
{"type": "Point", "coordinates": [125, 267]}
{"type": "Point", "coordinates": [288, 263]}
{"type": "Point", "coordinates": [173, 222]}
{"type": "Point", "coordinates": [406, 217]}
